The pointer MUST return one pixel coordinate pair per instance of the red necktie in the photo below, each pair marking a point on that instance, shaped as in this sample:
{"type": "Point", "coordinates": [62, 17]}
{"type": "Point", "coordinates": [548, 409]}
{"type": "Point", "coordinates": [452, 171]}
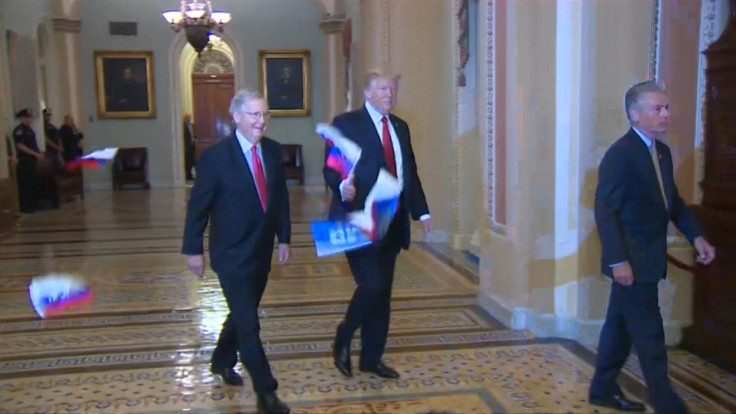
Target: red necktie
{"type": "Point", "coordinates": [388, 148]}
{"type": "Point", "coordinates": [260, 177]}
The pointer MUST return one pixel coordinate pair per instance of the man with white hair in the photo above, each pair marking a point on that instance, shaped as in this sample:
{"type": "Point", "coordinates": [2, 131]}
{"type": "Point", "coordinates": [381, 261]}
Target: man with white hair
{"type": "Point", "coordinates": [240, 189]}
{"type": "Point", "coordinates": [635, 200]}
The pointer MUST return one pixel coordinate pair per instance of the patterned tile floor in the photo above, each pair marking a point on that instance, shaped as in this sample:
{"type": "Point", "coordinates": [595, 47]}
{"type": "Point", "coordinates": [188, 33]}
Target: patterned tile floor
{"type": "Point", "coordinates": [144, 345]}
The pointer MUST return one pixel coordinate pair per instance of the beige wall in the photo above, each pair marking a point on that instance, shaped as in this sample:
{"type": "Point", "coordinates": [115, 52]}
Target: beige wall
{"type": "Point", "coordinates": [395, 35]}
{"type": "Point", "coordinates": [425, 97]}
{"type": "Point", "coordinates": [542, 271]}
{"type": "Point", "coordinates": [678, 70]}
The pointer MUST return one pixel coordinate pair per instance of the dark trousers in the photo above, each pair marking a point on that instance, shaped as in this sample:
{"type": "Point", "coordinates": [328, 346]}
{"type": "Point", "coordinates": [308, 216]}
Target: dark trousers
{"type": "Point", "coordinates": [189, 161]}
{"type": "Point", "coordinates": [633, 318]}
{"type": "Point", "coordinates": [241, 330]}
{"type": "Point", "coordinates": [27, 176]}
{"type": "Point", "coordinates": [370, 308]}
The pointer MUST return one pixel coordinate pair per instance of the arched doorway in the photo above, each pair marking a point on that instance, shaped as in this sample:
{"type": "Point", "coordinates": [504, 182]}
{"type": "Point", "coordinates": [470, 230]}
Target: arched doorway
{"type": "Point", "coordinates": [224, 61]}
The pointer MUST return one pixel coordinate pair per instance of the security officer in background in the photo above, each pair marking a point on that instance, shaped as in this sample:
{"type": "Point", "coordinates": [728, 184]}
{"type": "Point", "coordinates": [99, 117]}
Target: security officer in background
{"type": "Point", "coordinates": [53, 141]}
{"type": "Point", "coordinates": [28, 156]}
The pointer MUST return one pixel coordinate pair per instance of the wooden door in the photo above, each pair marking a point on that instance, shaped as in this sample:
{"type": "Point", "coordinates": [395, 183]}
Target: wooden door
{"type": "Point", "coordinates": [212, 120]}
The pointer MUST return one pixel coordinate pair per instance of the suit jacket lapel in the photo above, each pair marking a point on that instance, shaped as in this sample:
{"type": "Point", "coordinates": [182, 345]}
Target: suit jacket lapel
{"type": "Point", "coordinates": [368, 129]}
{"type": "Point", "coordinates": [270, 163]}
{"type": "Point", "coordinates": [404, 144]}
{"type": "Point", "coordinates": [651, 172]}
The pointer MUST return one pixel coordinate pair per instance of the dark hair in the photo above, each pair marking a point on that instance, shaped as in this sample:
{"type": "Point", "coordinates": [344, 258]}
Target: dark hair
{"type": "Point", "coordinates": [25, 112]}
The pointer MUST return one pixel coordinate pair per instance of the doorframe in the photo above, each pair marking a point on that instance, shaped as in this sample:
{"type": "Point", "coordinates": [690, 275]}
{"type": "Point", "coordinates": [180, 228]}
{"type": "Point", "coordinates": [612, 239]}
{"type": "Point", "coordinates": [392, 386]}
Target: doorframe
{"type": "Point", "coordinates": [175, 51]}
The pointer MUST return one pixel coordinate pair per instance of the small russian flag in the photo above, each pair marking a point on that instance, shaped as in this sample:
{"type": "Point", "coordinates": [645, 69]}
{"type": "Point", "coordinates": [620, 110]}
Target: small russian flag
{"type": "Point", "coordinates": [338, 162]}
{"type": "Point", "coordinates": [344, 153]}
{"type": "Point", "coordinates": [94, 160]}
{"type": "Point", "coordinates": [55, 294]}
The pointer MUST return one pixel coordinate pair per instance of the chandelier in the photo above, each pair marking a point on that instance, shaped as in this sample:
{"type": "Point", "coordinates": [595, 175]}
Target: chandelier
{"type": "Point", "coordinates": [198, 20]}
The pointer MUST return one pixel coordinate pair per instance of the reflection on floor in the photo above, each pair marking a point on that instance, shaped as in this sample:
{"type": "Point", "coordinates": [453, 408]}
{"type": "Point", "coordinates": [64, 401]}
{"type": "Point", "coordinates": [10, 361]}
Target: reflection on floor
{"type": "Point", "coordinates": [144, 346]}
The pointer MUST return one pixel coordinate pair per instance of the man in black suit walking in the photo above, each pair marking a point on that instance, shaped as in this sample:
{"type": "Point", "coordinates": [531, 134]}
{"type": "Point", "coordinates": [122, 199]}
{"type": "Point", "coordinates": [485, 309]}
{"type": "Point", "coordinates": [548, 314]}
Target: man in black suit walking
{"type": "Point", "coordinates": [241, 190]}
{"type": "Point", "coordinates": [635, 200]}
{"type": "Point", "coordinates": [385, 142]}
{"type": "Point", "coordinates": [189, 147]}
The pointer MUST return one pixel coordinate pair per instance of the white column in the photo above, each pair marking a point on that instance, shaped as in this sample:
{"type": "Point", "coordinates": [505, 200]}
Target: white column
{"type": "Point", "coordinates": [66, 31]}
{"type": "Point", "coordinates": [333, 27]}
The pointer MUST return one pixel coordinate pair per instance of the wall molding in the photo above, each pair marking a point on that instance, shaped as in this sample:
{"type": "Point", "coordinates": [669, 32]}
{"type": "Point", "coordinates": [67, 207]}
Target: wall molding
{"type": "Point", "coordinates": [455, 122]}
{"type": "Point", "coordinates": [66, 24]}
{"type": "Point", "coordinates": [546, 325]}
{"type": "Point", "coordinates": [488, 126]}
{"type": "Point", "coordinates": [707, 36]}
{"type": "Point", "coordinates": [333, 24]}
{"type": "Point", "coordinates": [654, 44]}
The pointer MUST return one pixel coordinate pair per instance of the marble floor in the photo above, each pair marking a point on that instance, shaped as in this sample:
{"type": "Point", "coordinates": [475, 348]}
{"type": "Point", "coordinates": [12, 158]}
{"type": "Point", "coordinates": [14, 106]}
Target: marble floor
{"type": "Point", "coordinates": [144, 345]}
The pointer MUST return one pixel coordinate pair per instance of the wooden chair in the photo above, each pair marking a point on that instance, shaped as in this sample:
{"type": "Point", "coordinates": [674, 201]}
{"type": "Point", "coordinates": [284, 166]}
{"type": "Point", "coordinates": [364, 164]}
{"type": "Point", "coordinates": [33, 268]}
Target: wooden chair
{"type": "Point", "coordinates": [56, 185]}
{"type": "Point", "coordinates": [293, 163]}
{"type": "Point", "coordinates": [130, 167]}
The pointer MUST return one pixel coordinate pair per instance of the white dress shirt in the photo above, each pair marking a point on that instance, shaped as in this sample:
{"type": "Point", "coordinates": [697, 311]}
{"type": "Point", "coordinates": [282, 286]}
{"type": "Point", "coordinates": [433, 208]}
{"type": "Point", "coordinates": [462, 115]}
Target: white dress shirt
{"type": "Point", "coordinates": [378, 124]}
{"type": "Point", "coordinates": [376, 118]}
{"type": "Point", "coordinates": [246, 147]}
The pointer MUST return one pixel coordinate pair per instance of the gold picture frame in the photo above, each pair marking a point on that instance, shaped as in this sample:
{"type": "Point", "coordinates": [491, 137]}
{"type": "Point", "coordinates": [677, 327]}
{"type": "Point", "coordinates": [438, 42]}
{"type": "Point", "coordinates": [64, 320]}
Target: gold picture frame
{"type": "Point", "coordinates": [125, 85]}
{"type": "Point", "coordinates": [285, 81]}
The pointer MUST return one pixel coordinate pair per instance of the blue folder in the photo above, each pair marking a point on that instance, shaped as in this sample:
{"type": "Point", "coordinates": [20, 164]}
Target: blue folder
{"type": "Point", "coordinates": [333, 237]}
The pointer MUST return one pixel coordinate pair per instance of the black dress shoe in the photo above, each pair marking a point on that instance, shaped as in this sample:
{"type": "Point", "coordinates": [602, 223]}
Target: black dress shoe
{"type": "Point", "coordinates": [341, 354]}
{"type": "Point", "coordinates": [229, 376]}
{"type": "Point", "coordinates": [271, 404]}
{"type": "Point", "coordinates": [382, 370]}
{"type": "Point", "coordinates": [618, 402]}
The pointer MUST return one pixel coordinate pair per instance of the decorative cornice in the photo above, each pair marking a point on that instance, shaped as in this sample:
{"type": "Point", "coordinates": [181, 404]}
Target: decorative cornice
{"type": "Point", "coordinates": [213, 62]}
{"type": "Point", "coordinates": [707, 36]}
{"type": "Point", "coordinates": [333, 24]}
{"type": "Point", "coordinates": [66, 25]}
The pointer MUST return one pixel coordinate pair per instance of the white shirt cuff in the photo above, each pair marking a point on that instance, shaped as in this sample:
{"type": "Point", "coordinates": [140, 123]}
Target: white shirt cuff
{"type": "Point", "coordinates": [425, 217]}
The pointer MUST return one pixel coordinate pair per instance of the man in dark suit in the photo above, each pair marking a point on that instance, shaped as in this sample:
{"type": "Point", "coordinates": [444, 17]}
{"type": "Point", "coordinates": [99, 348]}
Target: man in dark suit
{"type": "Point", "coordinates": [635, 200]}
{"type": "Point", "coordinates": [241, 190]}
{"type": "Point", "coordinates": [71, 139]}
{"type": "Point", "coordinates": [385, 142]}
{"type": "Point", "coordinates": [189, 143]}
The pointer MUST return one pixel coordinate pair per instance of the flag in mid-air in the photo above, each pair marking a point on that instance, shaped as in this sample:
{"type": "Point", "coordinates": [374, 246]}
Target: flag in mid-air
{"type": "Point", "coordinates": [94, 160]}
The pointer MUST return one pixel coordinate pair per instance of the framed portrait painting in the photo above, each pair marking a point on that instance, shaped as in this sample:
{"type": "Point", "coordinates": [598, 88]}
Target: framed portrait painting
{"type": "Point", "coordinates": [285, 81]}
{"type": "Point", "coordinates": [125, 87]}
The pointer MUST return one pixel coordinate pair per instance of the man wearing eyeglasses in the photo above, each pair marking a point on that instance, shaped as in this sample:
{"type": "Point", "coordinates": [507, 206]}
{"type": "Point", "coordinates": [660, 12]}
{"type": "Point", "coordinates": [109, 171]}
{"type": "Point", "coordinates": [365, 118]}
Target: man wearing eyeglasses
{"type": "Point", "coordinates": [240, 189]}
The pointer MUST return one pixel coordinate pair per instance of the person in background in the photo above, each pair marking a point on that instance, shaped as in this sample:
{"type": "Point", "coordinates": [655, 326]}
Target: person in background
{"type": "Point", "coordinates": [189, 147]}
{"type": "Point", "coordinates": [28, 156]}
{"type": "Point", "coordinates": [53, 141]}
{"type": "Point", "coordinates": [71, 138]}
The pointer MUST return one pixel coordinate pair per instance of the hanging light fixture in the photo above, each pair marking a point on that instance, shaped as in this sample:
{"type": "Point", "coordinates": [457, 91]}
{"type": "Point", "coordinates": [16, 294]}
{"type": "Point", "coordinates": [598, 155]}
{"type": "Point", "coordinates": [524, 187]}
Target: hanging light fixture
{"type": "Point", "coordinates": [198, 20]}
